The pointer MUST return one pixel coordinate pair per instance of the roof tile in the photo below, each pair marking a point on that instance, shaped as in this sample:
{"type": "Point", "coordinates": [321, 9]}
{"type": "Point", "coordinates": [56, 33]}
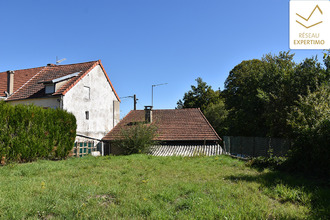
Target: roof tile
{"type": "Point", "coordinates": [172, 125]}
{"type": "Point", "coordinates": [26, 82]}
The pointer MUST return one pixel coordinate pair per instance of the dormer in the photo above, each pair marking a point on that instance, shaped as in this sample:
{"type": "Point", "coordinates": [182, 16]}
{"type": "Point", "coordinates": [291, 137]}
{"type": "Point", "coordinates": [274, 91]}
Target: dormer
{"type": "Point", "coordinates": [51, 86]}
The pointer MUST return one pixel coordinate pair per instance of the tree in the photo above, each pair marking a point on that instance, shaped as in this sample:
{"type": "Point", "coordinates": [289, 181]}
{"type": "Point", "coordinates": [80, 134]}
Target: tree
{"type": "Point", "coordinates": [259, 94]}
{"type": "Point", "coordinates": [241, 100]}
{"type": "Point", "coordinates": [216, 114]}
{"type": "Point", "coordinates": [210, 103]}
{"type": "Point", "coordinates": [310, 121]}
{"type": "Point", "coordinates": [199, 97]}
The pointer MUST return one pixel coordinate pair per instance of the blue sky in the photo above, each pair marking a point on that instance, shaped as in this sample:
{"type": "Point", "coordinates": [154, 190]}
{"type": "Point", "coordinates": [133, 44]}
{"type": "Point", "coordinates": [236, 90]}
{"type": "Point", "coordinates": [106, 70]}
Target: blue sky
{"type": "Point", "coordinates": [146, 42]}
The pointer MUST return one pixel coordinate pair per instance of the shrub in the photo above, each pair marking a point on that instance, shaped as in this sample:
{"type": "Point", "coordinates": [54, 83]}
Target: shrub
{"type": "Point", "coordinates": [28, 132]}
{"type": "Point", "coordinates": [272, 163]}
{"type": "Point", "coordinates": [310, 121]}
{"type": "Point", "coordinates": [138, 138]}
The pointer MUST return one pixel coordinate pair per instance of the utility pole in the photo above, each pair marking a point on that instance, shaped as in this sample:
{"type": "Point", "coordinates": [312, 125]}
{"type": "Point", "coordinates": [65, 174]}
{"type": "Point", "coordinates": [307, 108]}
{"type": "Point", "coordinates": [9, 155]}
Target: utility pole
{"type": "Point", "coordinates": [132, 96]}
{"type": "Point", "coordinates": [135, 101]}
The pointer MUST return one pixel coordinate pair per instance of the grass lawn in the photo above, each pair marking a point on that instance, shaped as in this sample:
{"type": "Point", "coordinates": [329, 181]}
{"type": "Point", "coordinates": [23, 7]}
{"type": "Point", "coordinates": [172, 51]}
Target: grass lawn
{"type": "Point", "coordinates": [141, 186]}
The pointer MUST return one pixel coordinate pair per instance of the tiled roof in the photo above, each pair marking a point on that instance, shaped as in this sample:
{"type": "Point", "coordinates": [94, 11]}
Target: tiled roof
{"type": "Point", "coordinates": [21, 77]}
{"type": "Point", "coordinates": [27, 82]}
{"type": "Point", "coordinates": [172, 125]}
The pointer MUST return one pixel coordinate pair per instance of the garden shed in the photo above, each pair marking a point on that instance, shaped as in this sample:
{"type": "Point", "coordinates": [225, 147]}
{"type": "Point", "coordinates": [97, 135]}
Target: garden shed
{"type": "Point", "coordinates": [179, 131]}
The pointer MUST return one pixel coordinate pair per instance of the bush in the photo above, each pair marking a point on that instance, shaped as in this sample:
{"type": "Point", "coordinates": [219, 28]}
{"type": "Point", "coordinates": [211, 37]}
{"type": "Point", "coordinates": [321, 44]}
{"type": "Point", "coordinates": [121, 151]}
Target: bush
{"type": "Point", "coordinates": [311, 124]}
{"type": "Point", "coordinates": [273, 163]}
{"type": "Point", "coordinates": [28, 132]}
{"type": "Point", "coordinates": [136, 139]}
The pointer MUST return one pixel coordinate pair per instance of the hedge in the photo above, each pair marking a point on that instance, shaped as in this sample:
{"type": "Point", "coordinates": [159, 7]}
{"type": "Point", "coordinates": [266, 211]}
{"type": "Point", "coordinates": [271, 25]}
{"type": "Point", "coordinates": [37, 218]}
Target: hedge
{"type": "Point", "coordinates": [28, 133]}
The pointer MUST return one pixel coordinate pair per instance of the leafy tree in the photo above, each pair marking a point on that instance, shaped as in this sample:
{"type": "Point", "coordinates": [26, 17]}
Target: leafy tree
{"type": "Point", "coordinates": [244, 106]}
{"type": "Point", "coordinates": [310, 121]}
{"type": "Point", "coordinates": [259, 94]}
{"type": "Point", "coordinates": [273, 91]}
{"type": "Point", "coordinates": [216, 114]}
{"type": "Point", "coordinates": [210, 103]}
{"type": "Point", "coordinates": [199, 97]}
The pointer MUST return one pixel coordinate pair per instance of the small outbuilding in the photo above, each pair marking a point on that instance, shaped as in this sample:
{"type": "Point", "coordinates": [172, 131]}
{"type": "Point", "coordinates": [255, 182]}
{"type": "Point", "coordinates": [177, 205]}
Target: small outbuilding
{"type": "Point", "coordinates": [184, 132]}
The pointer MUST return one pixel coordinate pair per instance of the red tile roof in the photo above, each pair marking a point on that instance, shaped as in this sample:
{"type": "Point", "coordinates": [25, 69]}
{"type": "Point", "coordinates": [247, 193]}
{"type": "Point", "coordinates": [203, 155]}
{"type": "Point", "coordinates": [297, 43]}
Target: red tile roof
{"type": "Point", "coordinates": [20, 78]}
{"type": "Point", "coordinates": [27, 82]}
{"type": "Point", "coordinates": [172, 125]}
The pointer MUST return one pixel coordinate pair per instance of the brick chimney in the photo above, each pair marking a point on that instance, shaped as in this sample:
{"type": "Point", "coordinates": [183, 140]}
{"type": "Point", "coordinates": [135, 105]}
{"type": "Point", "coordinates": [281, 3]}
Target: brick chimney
{"type": "Point", "coordinates": [10, 81]}
{"type": "Point", "coordinates": [148, 114]}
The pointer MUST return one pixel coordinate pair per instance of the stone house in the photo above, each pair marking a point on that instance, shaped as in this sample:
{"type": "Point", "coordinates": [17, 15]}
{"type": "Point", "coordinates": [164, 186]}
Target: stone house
{"type": "Point", "coordinates": [83, 89]}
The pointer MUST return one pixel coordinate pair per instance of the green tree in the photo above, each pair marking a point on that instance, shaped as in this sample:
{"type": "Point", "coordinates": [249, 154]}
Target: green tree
{"type": "Point", "coordinates": [310, 121]}
{"type": "Point", "coordinates": [259, 94]}
{"type": "Point", "coordinates": [216, 114]}
{"type": "Point", "coordinates": [210, 102]}
{"type": "Point", "coordinates": [244, 106]}
{"type": "Point", "coordinates": [199, 96]}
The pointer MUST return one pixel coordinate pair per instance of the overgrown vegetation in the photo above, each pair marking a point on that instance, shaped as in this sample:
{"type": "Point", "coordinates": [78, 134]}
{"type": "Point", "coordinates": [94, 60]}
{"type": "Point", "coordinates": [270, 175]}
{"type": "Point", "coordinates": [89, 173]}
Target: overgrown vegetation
{"type": "Point", "coordinates": [259, 95]}
{"type": "Point", "coordinates": [28, 133]}
{"type": "Point", "coordinates": [261, 163]}
{"type": "Point", "coordinates": [274, 97]}
{"type": "Point", "coordinates": [147, 187]}
{"type": "Point", "coordinates": [310, 121]}
{"type": "Point", "coordinates": [137, 138]}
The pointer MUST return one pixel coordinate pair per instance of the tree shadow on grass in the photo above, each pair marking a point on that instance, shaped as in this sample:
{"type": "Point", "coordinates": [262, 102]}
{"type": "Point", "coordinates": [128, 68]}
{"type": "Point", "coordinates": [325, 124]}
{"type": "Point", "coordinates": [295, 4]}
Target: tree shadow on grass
{"type": "Point", "coordinates": [286, 187]}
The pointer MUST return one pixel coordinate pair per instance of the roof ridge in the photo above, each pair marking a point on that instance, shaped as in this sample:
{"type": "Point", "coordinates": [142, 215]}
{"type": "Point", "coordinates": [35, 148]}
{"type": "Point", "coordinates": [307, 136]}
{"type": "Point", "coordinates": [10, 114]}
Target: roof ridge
{"type": "Point", "coordinates": [93, 61]}
{"type": "Point", "coordinates": [52, 66]}
{"type": "Point", "coordinates": [209, 124]}
{"type": "Point", "coordinates": [80, 77]}
{"type": "Point", "coordinates": [28, 81]}
{"type": "Point", "coordinates": [106, 75]}
{"type": "Point", "coordinates": [26, 69]}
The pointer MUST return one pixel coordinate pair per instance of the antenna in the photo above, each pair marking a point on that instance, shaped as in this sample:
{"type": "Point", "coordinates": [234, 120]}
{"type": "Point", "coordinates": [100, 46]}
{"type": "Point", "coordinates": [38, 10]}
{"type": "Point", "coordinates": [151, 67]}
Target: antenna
{"type": "Point", "coordinates": [152, 92]}
{"type": "Point", "coordinates": [59, 61]}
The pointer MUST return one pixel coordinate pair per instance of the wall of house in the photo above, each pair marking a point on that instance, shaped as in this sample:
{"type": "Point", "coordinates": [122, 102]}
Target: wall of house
{"type": "Point", "coordinates": [93, 94]}
{"type": "Point", "coordinates": [51, 102]}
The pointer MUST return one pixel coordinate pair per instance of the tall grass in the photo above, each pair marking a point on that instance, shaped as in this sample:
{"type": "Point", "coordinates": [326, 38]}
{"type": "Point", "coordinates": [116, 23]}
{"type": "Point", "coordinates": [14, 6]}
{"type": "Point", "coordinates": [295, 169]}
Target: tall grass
{"type": "Point", "coordinates": [141, 186]}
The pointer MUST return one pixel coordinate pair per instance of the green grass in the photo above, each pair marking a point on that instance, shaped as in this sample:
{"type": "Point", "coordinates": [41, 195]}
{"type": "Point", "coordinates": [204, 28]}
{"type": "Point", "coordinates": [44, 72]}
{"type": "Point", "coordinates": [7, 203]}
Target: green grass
{"type": "Point", "coordinates": [141, 186]}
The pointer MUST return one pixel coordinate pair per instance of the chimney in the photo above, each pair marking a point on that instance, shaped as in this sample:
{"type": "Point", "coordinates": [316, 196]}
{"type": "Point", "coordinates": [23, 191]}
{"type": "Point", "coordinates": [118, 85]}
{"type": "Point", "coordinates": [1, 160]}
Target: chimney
{"type": "Point", "coordinates": [10, 81]}
{"type": "Point", "coordinates": [148, 114]}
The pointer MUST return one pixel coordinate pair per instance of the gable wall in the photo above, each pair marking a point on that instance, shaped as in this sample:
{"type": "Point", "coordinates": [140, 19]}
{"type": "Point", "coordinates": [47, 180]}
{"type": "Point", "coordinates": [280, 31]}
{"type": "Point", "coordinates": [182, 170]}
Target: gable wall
{"type": "Point", "coordinates": [100, 104]}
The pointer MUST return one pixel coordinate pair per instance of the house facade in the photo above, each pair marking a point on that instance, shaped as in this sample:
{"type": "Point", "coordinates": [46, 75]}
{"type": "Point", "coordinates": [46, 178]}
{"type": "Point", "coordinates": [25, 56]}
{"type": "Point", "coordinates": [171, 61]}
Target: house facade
{"type": "Point", "coordinates": [83, 89]}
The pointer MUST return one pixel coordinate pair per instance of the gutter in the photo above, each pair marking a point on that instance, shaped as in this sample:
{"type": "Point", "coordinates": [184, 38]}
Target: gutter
{"type": "Point", "coordinates": [84, 136]}
{"type": "Point", "coordinates": [102, 144]}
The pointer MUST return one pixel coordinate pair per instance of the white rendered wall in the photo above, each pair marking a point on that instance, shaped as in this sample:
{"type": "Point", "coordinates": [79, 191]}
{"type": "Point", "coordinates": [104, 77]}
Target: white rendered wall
{"type": "Point", "coordinates": [99, 103]}
{"type": "Point", "coordinates": [51, 102]}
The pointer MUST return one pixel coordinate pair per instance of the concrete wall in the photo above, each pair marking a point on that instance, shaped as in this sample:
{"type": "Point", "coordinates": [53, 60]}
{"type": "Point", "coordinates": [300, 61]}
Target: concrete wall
{"type": "Point", "coordinates": [52, 102]}
{"type": "Point", "coordinates": [93, 94]}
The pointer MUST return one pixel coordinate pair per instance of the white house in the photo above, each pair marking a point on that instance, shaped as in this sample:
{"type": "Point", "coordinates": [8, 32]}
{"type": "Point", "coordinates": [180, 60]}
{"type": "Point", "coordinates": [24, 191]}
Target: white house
{"type": "Point", "coordinates": [83, 89]}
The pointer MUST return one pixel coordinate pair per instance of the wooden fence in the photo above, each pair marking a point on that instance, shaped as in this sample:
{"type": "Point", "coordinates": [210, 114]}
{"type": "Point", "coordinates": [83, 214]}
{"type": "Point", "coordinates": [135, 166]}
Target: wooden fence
{"type": "Point", "coordinates": [186, 150]}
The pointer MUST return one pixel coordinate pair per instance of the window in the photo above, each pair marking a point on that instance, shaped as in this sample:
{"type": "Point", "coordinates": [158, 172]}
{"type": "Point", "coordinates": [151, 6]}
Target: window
{"type": "Point", "coordinates": [49, 88]}
{"type": "Point", "coordinates": [87, 93]}
{"type": "Point", "coordinates": [87, 115]}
